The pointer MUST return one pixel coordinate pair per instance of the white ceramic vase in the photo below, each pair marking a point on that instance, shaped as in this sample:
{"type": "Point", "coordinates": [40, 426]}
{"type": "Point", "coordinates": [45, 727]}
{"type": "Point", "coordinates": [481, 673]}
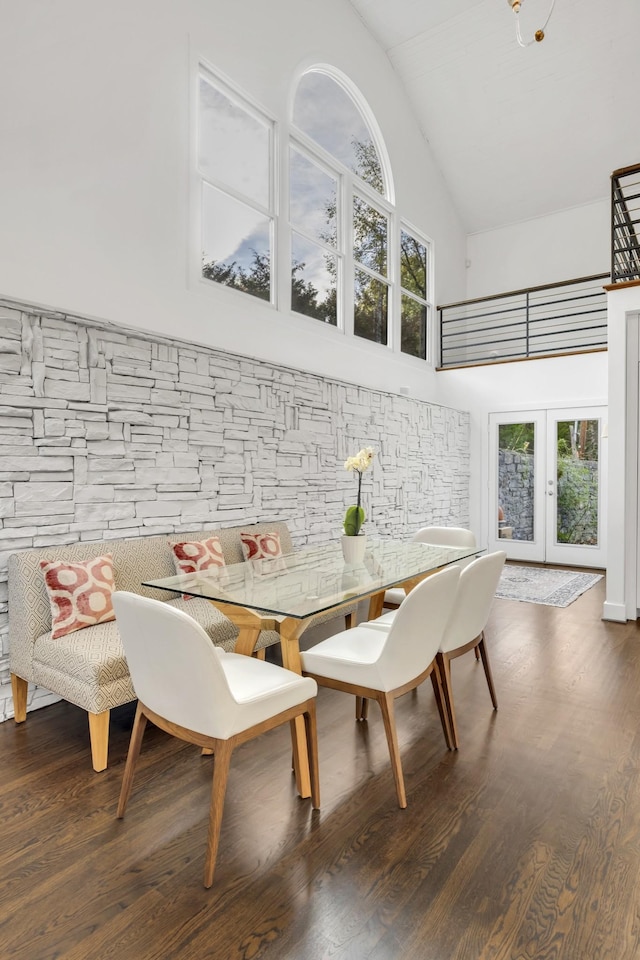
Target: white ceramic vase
{"type": "Point", "coordinates": [353, 549]}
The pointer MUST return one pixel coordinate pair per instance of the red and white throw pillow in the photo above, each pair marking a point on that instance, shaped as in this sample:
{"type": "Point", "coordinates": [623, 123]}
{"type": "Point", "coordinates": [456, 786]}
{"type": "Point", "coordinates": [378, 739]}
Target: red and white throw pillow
{"type": "Point", "coordinates": [193, 556]}
{"type": "Point", "coordinates": [79, 593]}
{"type": "Point", "coordinates": [196, 556]}
{"type": "Point", "coordinates": [261, 546]}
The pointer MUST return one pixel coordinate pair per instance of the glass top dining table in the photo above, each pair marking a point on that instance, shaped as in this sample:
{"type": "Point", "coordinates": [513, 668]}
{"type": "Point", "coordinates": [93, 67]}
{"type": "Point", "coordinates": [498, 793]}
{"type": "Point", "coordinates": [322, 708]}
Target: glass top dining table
{"type": "Point", "coordinates": [315, 580]}
{"type": "Point", "coordinates": [286, 593]}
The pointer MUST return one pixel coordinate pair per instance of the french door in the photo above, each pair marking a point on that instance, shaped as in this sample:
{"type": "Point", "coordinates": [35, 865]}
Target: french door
{"type": "Point", "coordinates": [546, 496]}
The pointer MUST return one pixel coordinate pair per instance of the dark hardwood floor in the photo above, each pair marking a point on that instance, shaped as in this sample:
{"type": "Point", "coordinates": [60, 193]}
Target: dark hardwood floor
{"type": "Point", "coordinates": [523, 845]}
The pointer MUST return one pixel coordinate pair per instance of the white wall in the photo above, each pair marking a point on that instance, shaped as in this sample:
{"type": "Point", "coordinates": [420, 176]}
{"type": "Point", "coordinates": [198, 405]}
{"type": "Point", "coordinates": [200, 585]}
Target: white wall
{"type": "Point", "coordinates": [531, 385]}
{"type": "Point", "coordinates": [563, 246]}
{"type": "Point", "coordinates": [622, 564]}
{"type": "Point", "coordinates": [95, 167]}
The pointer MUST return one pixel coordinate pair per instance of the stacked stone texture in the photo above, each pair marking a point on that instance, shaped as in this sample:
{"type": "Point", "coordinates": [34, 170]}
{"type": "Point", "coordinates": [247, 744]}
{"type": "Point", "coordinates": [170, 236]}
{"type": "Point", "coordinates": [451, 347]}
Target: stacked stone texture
{"type": "Point", "coordinates": [516, 491]}
{"type": "Point", "coordinates": [109, 432]}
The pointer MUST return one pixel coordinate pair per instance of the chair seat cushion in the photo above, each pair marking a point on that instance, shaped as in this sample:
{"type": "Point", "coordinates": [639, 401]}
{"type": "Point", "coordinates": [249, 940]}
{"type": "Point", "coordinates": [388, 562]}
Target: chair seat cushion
{"type": "Point", "coordinates": [350, 656]}
{"type": "Point", "coordinates": [262, 689]}
{"type": "Point", "coordinates": [87, 667]}
{"type": "Point", "coordinates": [94, 655]}
{"type": "Point", "coordinates": [394, 595]}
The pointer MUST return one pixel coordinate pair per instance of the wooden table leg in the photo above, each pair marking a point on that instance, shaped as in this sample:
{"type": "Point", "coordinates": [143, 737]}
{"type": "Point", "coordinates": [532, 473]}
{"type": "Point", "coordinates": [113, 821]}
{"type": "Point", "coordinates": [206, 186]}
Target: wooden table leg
{"type": "Point", "coordinates": [290, 631]}
{"type": "Point", "coordinates": [376, 602]}
{"type": "Point", "coordinates": [247, 639]}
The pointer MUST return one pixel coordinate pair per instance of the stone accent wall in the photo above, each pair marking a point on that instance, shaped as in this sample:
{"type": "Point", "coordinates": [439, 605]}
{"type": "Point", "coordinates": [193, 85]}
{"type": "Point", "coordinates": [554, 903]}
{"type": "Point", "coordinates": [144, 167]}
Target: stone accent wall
{"type": "Point", "coordinates": [109, 432]}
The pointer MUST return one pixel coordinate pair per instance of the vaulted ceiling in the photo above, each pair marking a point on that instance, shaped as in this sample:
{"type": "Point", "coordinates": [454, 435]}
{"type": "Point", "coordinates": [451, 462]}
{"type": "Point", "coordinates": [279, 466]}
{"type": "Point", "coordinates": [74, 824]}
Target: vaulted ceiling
{"type": "Point", "coordinates": [518, 132]}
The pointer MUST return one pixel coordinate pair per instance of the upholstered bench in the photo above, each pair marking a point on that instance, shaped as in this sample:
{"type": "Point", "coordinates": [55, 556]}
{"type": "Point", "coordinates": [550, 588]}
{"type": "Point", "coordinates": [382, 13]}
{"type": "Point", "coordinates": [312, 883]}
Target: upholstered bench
{"type": "Point", "coordinates": [87, 667]}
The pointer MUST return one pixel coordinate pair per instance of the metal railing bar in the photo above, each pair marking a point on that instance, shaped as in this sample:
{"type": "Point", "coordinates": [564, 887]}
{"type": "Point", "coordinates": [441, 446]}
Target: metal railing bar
{"type": "Point", "coordinates": [514, 293]}
{"type": "Point", "coordinates": [534, 320]}
{"type": "Point", "coordinates": [626, 247]}
{"type": "Point", "coordinates": [480, 316]}
{"type": "Point", "coordinates": [574, 349]}
{"type": "Point", "coordinates": [550, 334]}
{"type": "Point", "coordinates": [585, 296]}
{"type": "Point", "coordinates": [624, 199]}
{"type": "Point", "coordinates": [538, 303]}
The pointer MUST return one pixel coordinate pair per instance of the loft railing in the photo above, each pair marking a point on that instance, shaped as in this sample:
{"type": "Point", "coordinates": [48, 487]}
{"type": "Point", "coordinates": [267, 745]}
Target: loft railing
{"type": "Point", "coordinates": [625, 224]}
{"type": "Point", "coordinates": [544, 321]}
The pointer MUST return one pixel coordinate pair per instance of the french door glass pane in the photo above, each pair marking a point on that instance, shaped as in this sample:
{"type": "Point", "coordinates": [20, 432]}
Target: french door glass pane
{"type": "Point", "coordinates": [577, 482]}
{"type": "Point", "coordinates": [516, 466]}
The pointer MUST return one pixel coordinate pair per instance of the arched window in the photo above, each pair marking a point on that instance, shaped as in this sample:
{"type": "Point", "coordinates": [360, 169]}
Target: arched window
{"type": "Point", "coordinates": [352, 263]}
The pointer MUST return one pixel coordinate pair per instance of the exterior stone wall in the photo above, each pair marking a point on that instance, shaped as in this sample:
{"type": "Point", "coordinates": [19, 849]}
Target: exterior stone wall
{"type": "Point", "coordinates": [577, 519]}
{"type": "Point", "coordinates": [515, 491]}
{"type": "Point", "coordinates": [577, 497]}
{"type": "Point", "coordinates": [108, 432]}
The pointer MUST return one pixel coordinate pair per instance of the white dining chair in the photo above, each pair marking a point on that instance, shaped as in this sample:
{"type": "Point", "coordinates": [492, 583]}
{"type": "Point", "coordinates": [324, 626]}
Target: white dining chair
{"type": "Point", "coordinates": [197, 692]}
{"type": "Point", "coordinates": [441, 536]}
{"type": "Point", "coordinates": [465, 629]}
{"type": "Point", "coordinates": [381, 665]}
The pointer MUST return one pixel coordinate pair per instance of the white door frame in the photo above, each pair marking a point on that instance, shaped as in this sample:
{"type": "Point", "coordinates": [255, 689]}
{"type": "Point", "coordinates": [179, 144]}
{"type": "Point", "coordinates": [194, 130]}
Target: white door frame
{"type": "Point", "coordinates": [543, 546]}
{"type": "Point", "coordinates": [575, 555]}
{"type": "Point", "coordinates": [531, 550]}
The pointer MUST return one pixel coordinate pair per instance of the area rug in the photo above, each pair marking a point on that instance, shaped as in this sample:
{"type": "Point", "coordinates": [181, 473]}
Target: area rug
{"type": "Point", "coordinates": [555, 588]}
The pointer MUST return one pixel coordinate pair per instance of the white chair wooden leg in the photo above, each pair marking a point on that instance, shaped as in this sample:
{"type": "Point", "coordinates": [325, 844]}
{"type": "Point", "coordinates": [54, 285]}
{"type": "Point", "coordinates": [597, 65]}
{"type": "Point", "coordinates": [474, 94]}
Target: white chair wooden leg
{"type": "Point", "coordinates": [388, 716]}
{"type": "Point", "coordinates": [221, 765]}
{"type": "Point", "coordinates": [137, 733]}
{"type": "Point", "coordinates": [312, 750]}
{"type": "Point", "coordinates": [444, 664]}
{"type": "Point", "coordinates": [487, 672]}
{"type": "Point", "coordinates": [438, 691]}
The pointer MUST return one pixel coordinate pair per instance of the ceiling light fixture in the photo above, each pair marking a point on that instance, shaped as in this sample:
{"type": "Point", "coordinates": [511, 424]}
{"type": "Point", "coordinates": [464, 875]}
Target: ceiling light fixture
{"type": "Point", "coordinates": [539, 34]}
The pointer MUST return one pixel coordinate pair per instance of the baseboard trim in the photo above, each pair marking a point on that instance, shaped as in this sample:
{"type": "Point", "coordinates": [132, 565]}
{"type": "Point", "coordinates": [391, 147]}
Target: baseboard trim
{"type": "Point", "coordinates": [614, 611]}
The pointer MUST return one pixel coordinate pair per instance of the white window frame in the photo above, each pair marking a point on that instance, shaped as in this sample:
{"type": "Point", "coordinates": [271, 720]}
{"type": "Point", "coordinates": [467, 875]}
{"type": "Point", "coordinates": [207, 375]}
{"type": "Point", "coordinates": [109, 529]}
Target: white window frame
{"type": "Point", "coordinates": [270, 212]}
{"type": "Point", "coordinates": [282, 137]}
{"type": "Point", "coordinates": [429, 302]}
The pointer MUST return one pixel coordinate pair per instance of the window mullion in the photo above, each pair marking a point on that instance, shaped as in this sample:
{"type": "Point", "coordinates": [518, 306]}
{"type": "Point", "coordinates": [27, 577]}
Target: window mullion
{"type": "Point", "coordinates": [348, 275]}
{"type": "Point", "coordinates": [395, 311]}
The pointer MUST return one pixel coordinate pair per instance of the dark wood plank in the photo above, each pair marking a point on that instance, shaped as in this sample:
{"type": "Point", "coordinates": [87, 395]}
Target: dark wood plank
{"type": "Point", "coordinates": [525, 843]}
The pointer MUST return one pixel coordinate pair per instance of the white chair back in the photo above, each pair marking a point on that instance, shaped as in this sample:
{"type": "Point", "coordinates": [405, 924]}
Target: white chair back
{"type": "Point", "coordinates": [476, 590]}
{"type": "Point", "coordinates": [418, 628]}
{"type": "Point", "coordinates": [446, 536]}
{"type": "Point", "coordinates": [175, 668]}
